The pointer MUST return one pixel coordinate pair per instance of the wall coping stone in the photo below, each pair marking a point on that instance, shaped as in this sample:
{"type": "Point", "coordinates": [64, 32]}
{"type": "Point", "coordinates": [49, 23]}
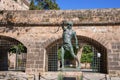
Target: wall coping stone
{"type": "Point", "coordinates": [90, 17]}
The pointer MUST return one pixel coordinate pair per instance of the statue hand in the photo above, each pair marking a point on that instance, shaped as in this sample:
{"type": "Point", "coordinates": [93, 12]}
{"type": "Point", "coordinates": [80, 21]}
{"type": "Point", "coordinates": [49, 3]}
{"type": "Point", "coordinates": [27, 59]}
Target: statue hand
{"type": "Point", "coordinates": [77, 47]}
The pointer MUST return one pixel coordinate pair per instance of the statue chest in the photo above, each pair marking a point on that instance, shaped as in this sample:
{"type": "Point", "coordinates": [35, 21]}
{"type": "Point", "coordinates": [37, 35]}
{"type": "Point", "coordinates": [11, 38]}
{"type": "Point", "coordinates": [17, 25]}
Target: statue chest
{"type": "Point", "coordinates": [68, 34]}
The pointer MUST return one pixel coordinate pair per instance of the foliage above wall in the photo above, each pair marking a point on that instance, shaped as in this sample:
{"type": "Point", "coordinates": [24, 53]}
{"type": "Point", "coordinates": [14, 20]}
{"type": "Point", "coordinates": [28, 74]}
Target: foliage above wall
{"type": "Point", "coordinates": [43, 5]}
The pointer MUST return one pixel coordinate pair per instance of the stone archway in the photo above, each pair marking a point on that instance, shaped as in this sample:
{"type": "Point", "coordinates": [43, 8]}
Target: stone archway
{"type": "Point", "coordinates": [5, 44]}
{"type": "Point", "coordinates": [51, 56]}
{"type": "Point", "coordinates": [98, 48]}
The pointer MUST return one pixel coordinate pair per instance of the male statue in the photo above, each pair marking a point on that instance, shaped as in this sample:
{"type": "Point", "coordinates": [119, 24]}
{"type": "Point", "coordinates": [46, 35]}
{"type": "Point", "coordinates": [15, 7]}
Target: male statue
{"type": "Point", "coordinates": [68, 34]}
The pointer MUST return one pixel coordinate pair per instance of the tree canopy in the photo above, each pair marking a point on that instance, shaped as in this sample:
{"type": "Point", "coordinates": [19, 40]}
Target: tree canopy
{"type": "Point", "coordinates": [87, 54]}
{"type": "Point", "coordinates": [44, 5]}
{"type": "Point", "coordinates": [17, 48]}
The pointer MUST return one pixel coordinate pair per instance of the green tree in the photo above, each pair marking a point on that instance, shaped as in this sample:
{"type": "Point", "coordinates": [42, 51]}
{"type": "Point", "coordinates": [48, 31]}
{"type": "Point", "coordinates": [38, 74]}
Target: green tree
{"type": "Point", "coordinates": [87, 54]}
{"type": "Point", "coordinates": [17, 49]}
{"type": "Point", "coordinates": [20, 48]}
{"type": "Point", "coordinates": [44, 5]}
{"type": "Point", "coordinates": [87, 49]}
{"type": "Point", "coordinates": [86, 58]}
{"type": "Point", "coordinates": [90, 57]}
{"type": "Point", "coordinates": [32, 5]}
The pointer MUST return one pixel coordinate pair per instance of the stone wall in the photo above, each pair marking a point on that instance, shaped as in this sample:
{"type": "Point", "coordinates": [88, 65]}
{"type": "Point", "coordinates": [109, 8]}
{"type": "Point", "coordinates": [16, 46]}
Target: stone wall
{"type": "Point", "coordinates": [35, 29]}
{"type": "Point", "coordinates": [79, 17]}
{"type": "Point", "coordinates": [14, 5]}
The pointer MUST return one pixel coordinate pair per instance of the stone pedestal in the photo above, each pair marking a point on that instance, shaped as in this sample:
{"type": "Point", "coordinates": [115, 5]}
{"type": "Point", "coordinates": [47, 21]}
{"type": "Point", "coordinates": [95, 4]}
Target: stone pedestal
{"type": "Point", "coordinates": [70, 75]}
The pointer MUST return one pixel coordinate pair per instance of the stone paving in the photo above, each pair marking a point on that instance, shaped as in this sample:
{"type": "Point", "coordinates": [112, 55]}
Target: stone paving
{"type": "Point", "coordinates": [10, 75]}
{"type": "Point", "coordinates": [98, 76]}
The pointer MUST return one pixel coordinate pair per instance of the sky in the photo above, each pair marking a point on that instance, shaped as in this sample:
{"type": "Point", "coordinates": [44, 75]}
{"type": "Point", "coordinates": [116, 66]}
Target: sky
{"type": "Point", "coordinates": [87, 4]}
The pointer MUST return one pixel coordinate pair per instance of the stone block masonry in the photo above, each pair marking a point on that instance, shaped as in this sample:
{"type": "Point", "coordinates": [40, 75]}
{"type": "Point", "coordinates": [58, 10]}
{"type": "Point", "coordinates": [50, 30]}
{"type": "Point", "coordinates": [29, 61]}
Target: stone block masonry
{"type": "Point", "coordinates": [14, 5]}
{"type": "Point", "coordinates": [98, 27]}
{"type": "Point", "coordinates": [79, 17]}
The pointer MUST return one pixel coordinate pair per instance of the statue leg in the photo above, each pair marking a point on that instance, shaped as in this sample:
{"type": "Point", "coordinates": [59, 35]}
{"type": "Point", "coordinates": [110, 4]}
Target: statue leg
{"type": "Point", "coordinates": [62, 55]}
{"type": "Point", "coordinates": [74, 56]}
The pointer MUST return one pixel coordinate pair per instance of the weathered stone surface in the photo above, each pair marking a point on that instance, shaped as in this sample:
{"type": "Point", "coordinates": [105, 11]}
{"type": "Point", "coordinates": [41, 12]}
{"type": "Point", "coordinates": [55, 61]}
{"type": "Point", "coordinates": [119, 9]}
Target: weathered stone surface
{"type": "Point", "coordinates": [35, 29]}
{"type": "Point", "coordinates": [115, 68]}
{"type": "Point", "coordinates": [14, 5]}
{"type": "Point", "coordinates": [53, 17]}
{"type": "Point", "coordinates": [10, 75]}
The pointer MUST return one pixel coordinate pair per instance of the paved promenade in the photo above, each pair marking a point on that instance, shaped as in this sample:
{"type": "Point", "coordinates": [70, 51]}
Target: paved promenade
{"type": "Point", "coordinates": [10, 75]}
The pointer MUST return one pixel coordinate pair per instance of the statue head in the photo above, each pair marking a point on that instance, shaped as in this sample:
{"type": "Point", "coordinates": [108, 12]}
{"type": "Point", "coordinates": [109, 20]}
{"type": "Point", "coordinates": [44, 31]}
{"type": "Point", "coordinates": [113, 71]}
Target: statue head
{"type": "Point", "coordinates": [69, 24]}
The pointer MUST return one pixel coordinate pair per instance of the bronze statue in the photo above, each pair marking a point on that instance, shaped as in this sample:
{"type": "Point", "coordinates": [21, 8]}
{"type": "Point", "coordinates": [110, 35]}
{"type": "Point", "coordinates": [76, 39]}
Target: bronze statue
{"type": "Point", "coordinates": [67, 36]}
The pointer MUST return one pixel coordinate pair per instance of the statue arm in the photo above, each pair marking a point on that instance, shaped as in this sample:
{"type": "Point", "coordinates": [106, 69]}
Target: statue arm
{"type": "Point", "coordinates": [63, 26]}
{"type": "Point", "coordinates": [76, 40]}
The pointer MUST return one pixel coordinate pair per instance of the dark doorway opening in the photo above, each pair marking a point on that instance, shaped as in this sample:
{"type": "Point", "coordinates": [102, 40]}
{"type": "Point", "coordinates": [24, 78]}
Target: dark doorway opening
{"type": "Point", "coordinates": [53, 63]}
{"type": "Point", "coordinates": [11, 60]}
